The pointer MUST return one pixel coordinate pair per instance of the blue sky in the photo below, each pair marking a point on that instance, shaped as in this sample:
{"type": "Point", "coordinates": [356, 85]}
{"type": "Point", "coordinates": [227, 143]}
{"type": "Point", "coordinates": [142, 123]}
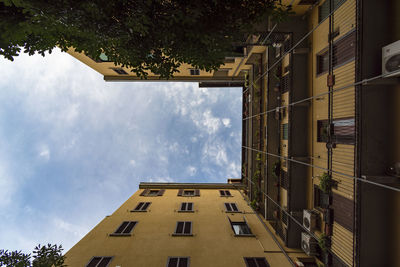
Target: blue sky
{"type": "Point", "coordinates": [73, 148]}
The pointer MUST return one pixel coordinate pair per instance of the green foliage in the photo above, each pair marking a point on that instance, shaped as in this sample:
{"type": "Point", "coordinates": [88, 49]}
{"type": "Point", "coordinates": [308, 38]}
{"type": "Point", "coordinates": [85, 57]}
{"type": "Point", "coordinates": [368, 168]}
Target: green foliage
{"type": "Point", "coordinates": [43, 256]}
{"type": "Point", "coordinates": [253, 204]}
{"type": "Point", "coordinates": [259, 156]}
{"type": "Point", "coordinates": [153, 35]}
{"type": "Point", "coordinates": [326, 182]}
{"type": "Point", "coordinates": [323, 243]}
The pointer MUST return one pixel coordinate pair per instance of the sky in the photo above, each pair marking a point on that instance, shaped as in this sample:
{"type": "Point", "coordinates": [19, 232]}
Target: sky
{"type": "Point", "coordinates": [73, 147]}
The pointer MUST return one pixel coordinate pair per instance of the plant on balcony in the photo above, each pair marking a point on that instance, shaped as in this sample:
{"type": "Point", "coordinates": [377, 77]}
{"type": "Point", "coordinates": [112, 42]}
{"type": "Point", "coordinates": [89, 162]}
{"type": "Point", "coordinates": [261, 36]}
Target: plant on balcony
{"type": "Point", "coordinates": [326, 182]}
{"type": "Point", "coordinates": [323, 242]}
{"type": "Point", "coordinates": [259, 156]}
{"type": "Point", "coordinates": [254, 205]}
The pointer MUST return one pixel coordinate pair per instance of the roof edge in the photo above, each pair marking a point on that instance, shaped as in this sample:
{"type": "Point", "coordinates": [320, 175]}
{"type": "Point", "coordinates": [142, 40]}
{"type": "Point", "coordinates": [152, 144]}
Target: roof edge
{"type": "Point", "coordinates": [147, 185]}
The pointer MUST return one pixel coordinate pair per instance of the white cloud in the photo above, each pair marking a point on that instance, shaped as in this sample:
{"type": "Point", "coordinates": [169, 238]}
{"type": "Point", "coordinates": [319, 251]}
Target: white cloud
{"type": "Point", "coordinates": [44, 152]}
{"type": "Point", "coordinates": [73, 229]}
{"type": "Point", "coordinates": [132, 162]}
{"type": "Point", "coordinates": [191, 170]}
{"type": "Point", "coordinates": [226, 122]}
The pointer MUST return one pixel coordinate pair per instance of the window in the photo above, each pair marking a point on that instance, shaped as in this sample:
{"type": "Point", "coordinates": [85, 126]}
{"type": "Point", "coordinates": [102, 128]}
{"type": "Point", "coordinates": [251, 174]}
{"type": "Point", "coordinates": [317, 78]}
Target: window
{"type": "Point", "coordinates": [231, 207]}
{"type": "Point", "coordinates": [225, 193]}
{"type": "Point", "coordinates": [285, 131]}
{"type": "Point", "coordinates": [120, 71]}
{"type": "Point", "coordinates": [99, 262]}
{"type": "Point", "coordinates": [322, 62]}
{"type": "Point", "coordinates": [142, 206]}
{"type": "Point", "coordinates": [344, 49]}
{"type": "Point", "coordinates": [152, 192]}
{"type": "Point", "coordinates": [240, 228]}
{"type": "Point", "coordinates": [183, 228]}
{"type": "Point", "coordinates": [186, 207]}
{"type": "Point", "coordinates": [343, 131]}
{"type": "Point", "coordinates": [256, 262]}
{"type": "Point", "coordinates": [124, 229]}
{"type": "Point", "coordinates": [194, 72]}
{"type": "Point", "coordinates": [189, 192]}
{"type": "Point", "coordinates": [321, 199]}
{"type": "Point", "coordinates": [323, 10]}
{"type": "Point", "coordinates": [178, 262]}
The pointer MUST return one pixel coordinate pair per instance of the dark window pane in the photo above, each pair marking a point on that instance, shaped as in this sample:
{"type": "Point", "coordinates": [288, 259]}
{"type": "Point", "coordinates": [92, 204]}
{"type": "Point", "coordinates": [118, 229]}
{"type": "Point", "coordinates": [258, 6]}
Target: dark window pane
{"type": "Point", "coordinates": [228, 207]}
{"type": "Point", "coordinates": [153, 193]}
{"type": "Point", "coordinates": [139, 206]}
{"type": "Point", "coordinates": [322, 128]}
{"type": "Point", "coordinates": [146, 205]}
{"type": "Point", "coordinates": [189, 206]}
{"type": "Point", "coordinates": [104, 262]}
{"type": "Point", "coordinates": [121, 228]}
{"type": "Point", "coordinates": [262, 262]}
{"type": "Point", "coordinates": [173, 262]}
{"type": "Point", "coordinates": [94, 262]}
{"type": "Point", "coordinates": [188, 193]}
{"type": "Point", "coordinates": [234, 208]}
{"type": "Point", "coordinates": [183, 262]}
{"type": "Point", "coordinates": [120, 71]}
{"type": "Point", "coordinates": [183, 206]}
{"type": "Point", "coordinates": [251, 262]}
{"type": "Point", "coordinates": [285, 131]}
{"type": "Point", "coordinates": [344, 131]}
{"type": "Point", "coordinates": [241, 228]}
{"type": "Point", "coordinates": [179, 228]}
{"type": "Point", "coordinates": [227, 193]}
{"type": "Point", "coordinates": [129, 228]}
{"type": "Point", "coordinates": [222, 192]}
{"type": "Point", "coordinates": [322, 62]}
{"type": "Point", "coordinates": [187, 227]}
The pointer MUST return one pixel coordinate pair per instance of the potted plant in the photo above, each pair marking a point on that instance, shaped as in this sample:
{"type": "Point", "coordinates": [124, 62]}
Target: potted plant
{"type": "Point", "coordinates": [326, 183]}
{"type": "Point", "coordinates": [324, 243]}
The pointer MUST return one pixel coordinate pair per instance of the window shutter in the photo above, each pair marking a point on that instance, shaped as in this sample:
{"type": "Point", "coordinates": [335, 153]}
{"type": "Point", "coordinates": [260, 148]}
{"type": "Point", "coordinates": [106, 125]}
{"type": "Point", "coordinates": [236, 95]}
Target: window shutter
{"type": "Point", "coordinates": [189, 206]}
{"type": "Point", "coordinates": [183, 206]}
{"type": "Point", "coordinates": [146, 205]}
{"type": "Point", "coordinates": [145, 192]}
{"type": "Point", "coordinates": [139, 206]}
{"type": "Point", "coordinates": [94, 262]}
{"type": "Point", "coordinates": [180, 192]}
{"type": "Point", "coordinates": [173, 262]}
{"type": "Point", "coordinates": [121, 228]}
{"type": "Point", "coordinates": [228, 207]}
{"type": "Point", "coordinates": [228, 193]}
{"type": "Point", "coordinates": [222, 192]}
{"type": "Point", "coordinates": [234, 207]}
{"type": "Point", "coordinates": [183, 262]}
{"type": "Point", "coordinates": [343, 211]}
{"type": "Point", "coordinates": [161, 192]}
{"type": "Point", "coordinates": [179, 228]}
{"type": "Point", "coordinates": [197, 192]}
{"type": "Point", "coordinates": [129, 228]}
{"type": "Point", "coordinates": [188, 228]}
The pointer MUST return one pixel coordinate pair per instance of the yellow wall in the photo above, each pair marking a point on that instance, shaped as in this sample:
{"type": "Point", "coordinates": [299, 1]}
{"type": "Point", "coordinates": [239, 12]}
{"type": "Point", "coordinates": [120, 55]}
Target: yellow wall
{"type": "Point", "coordinates": [213, 243]}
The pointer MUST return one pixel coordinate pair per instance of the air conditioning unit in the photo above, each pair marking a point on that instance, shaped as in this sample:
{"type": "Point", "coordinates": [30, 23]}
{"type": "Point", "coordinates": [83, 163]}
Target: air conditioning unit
{"type": "Point", "coordinates": [391, 60]}
{"type": "Point", "coordinates": [309, 220]}
{"type": "Point", "coordinates": [309, 244]}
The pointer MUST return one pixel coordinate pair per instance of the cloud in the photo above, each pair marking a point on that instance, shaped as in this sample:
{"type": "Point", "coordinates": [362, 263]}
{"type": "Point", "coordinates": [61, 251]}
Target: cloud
{"type": "Point", "coordinates": [44, 153]}
{"type": "Point", "coordinates": [226, 122]}
{"type": "Point", "coordinates": [191, 170]}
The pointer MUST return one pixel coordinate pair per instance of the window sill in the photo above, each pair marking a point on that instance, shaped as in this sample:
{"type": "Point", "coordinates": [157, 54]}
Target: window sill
{"type": "Point", "coordinates": [226, 196]}
{"type": "Point", "coordinates": [182, 234]}
{"type": "Point", "coordinates": [186, 211]}
{"type": "Point", "coordinates": [244, 235]}
{"type": "Point", "coordinates": [139, 210]}
{"type": "Point", "coordinates": [233, 211]}
{"type": "Point", "coordinates": [120, 235]}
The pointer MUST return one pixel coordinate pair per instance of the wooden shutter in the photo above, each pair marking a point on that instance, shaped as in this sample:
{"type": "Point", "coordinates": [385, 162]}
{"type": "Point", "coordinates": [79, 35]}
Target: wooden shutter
{"type": "Point", "coordinates": [104, 262]}
{"type": "Point", "coordinates": [179, 228]}
{"type": "Point", "coordinates": [93, 262]}
{"type": "Point", "coordinates": [323, 11]}
{"type": "Point", "coordinates": [146, 205]}
{"type": "Point", "coordinates": [139, 206]}
{"type": "Point", "coordinates": [222, 193]}
{"type": "Point", "coordinates": [234, 207]}
{"type": "Point", "coordinates": [228, 207]}
{"type": "Point", "coordinates": [145, 192]}
{"type": "Point", "coordinates": [189, 206]}
{"type": "Point", "coordinates": [121, 228]}
{"type": "Point", "coordinates": [227, 193]}
{"type": "Point", "coordinates": [343, 211]}
{"type": "Point", "coordinates": [129, 228]}
{"type": "Point", "coordinates": [344, 49]}
{"type": "Point", "coordinates": [161, 192]}
{"type": "Point", "coordinates": [180, 192]}
{"type": "Point", "coordinates": [183, 206]}
{"type": "Point", "coordinates": [188, 228]}
{"type": "Point", "coordinates": [197, 192]}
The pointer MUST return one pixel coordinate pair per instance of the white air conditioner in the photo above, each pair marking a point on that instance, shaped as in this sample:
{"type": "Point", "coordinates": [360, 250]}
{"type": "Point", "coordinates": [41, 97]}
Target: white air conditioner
{"type": "Point", "coordinates": [391, 60]}
{"type": "Point", "coordinates": [309, 220]}
{"type": "Point", "coordinates": [309, 244]}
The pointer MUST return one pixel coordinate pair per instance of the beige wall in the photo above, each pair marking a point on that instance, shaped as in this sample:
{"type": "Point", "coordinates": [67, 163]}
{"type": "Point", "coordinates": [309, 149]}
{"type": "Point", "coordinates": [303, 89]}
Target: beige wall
{"type": "Point", "coordinates": [213, 243]}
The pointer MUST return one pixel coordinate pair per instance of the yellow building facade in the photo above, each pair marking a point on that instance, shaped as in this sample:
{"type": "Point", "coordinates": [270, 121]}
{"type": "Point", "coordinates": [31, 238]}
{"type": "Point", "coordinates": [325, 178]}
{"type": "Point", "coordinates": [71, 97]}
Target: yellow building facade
{"type": "Point", "coordinates": [217, 228]}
